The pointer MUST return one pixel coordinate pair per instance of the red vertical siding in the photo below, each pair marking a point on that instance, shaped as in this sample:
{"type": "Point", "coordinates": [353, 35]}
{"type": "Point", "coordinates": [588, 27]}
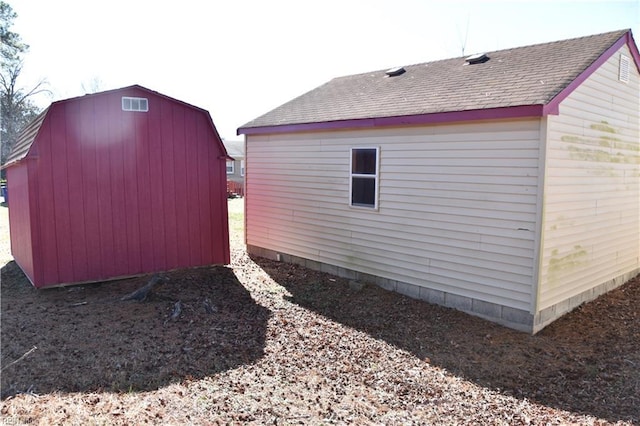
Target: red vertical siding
{"type": "Point", "coordinates": [191, 190]}
{"type": "Point", "coordinates": [20, 218]}
{"type": "Point", "coordinates": [104, 113]}
{"type": "Point", "coordinates": [180, 167]}
{"type": "Point", "coordinates": [130, 189]}
{"type": "Point", "coordinates": [120, 193]}
{"type": "Point", "coordinates": [170, 196]}
{"type": "Point", "coordinates": [203, 164]}
{"type": "Point", "coordinates": [117, 152]}
{"type": "Point", "coordinates": [157, 202]}
{"type": "Point", "coordinates": [75, 171]}
{"type": "Point", "coordinates": [61, 200]}
{"type": "Point", "coordinates": [145, 217]}
{"type": "Point", "coordinates": [89, 122]}
{"type": "Point", "coordinates": [219, 206]}
{"type": "Point", "coordinates": [41, 176]}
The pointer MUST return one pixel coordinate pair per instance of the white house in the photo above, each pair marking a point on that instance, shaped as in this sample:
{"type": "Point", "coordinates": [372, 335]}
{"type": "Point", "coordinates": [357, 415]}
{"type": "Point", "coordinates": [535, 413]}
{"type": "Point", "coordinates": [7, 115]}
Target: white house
{"type": "Point", "coordinates": [506, 184]}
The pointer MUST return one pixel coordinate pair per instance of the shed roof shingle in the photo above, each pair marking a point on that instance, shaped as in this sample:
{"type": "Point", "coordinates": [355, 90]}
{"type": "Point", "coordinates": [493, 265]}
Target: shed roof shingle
{"type": "Point", "coordinates": [234, 148]}
{"type": "Point", "coordinates": [530, 75]}
{"type": "Point", "coordinates": [25, 139]}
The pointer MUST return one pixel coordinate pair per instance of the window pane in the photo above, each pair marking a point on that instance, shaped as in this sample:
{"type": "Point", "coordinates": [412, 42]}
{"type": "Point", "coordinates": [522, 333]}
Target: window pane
{"type": "Point", "coordinates": [135, 104]}
{"type": "Point", "coordinates": [363, 191]}
{"type": "Point", "coordinates": [363, 161]}
{"type": "Point", "coordinates": [126, 104]}
{"type": "Point", "coordinates": [144, 106]}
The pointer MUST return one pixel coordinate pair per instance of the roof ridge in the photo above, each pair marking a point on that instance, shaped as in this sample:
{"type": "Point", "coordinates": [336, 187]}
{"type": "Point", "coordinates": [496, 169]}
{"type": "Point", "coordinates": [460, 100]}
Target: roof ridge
{"type": "Point", "coordinates": [546, 43]}
{"type": "Point", "coordinates": [527, 77]}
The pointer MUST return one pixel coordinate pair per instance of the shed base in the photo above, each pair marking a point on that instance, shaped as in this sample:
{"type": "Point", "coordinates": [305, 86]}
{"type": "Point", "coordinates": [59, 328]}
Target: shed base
{"type": "Point", "coordinates": [109, 279]}
{"type": "Point", "coordinates": [517, 319]}
{"type": "Point", "coordinates": [547, 315]}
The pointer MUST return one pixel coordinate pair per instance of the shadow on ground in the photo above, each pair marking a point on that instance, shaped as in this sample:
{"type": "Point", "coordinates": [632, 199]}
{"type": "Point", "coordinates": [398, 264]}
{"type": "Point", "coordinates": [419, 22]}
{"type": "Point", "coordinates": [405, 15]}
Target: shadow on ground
{"type": "Point", "coordinates": [587, 362]}
{"type": "Point", "coordinates": [86, 339]}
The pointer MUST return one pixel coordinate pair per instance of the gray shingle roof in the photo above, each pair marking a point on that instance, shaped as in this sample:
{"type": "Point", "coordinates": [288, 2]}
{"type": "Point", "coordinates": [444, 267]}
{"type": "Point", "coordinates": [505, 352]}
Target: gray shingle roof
{"type": "Point", "coordinates": [530, 75]}
{"type": "Point", "coordinates": [234, 148]}
{"type": "Point", "coordinates": [25, 139]}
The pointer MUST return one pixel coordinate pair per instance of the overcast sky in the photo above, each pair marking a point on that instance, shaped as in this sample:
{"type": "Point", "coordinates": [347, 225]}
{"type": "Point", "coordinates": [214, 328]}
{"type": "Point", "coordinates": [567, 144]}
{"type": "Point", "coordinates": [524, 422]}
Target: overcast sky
{"type": "Point", "coordinates": [241, 58]}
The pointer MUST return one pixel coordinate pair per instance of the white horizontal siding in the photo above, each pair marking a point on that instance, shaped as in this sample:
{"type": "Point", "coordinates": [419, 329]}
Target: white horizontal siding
{"type": "Point", "coordinates": [457, 205]}
{"type": "Point", "coordinates": [592, 186]}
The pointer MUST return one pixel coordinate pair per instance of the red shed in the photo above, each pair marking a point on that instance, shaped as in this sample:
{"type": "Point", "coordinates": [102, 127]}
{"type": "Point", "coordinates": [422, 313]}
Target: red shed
{"type": "Point", "coordinates": [115, 184]}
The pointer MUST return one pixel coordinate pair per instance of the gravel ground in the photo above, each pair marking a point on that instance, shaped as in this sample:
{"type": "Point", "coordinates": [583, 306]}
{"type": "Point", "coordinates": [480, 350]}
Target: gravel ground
{"type": "Point", "coordinates": [261, 342]}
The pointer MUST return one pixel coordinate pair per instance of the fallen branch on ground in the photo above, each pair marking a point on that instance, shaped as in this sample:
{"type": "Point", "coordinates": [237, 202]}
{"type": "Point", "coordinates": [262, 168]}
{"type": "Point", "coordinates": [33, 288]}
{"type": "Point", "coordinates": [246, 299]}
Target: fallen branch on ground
{"type": "Point", "coordinates": [141, 294]}
{"type": "Point", "coordinates": [177, 310]}
{"type": "Point", "coordinates": [19, 359]}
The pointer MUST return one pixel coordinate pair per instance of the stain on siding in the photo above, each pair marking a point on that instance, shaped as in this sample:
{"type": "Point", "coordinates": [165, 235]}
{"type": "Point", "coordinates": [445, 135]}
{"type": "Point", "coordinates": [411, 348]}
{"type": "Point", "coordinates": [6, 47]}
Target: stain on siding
{"type": "Point", "coordinates": [561, 264]}
{"type": "Point", "coordinates": [606, 148]}
{"type": "Point", "coordinates": [604, 127]}
{"type": "Point", "coordinates": [617, 143]}
{"type": "Point", "coordinates": [600, 156]}
{"type": "Point", "coordinates": [593, 171]}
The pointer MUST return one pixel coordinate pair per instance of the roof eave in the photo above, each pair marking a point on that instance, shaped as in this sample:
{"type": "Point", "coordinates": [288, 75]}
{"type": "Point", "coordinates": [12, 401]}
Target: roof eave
{"type": "Point", "coordinates": [553, 105]}
{"type": "Point", "coordinates": [9, 164]}
{"type": "Point", "coordinates": [549, 106]}
{"type": "Point", "coordinates": [520, 111]}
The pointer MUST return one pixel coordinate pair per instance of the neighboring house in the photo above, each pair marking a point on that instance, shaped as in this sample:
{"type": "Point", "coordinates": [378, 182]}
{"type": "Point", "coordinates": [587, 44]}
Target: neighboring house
{"type": "Point", "coordinates": [506, 185]}
{"type": "Point", "coordinates": [235, 167]}
{"type": "Point", "coordinates": [116, 184]}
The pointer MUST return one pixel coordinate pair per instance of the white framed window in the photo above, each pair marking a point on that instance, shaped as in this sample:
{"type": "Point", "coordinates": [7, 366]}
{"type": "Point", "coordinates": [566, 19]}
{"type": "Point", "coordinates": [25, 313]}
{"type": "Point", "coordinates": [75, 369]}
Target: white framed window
{"type": "Point", "coordinates": [135, 104]}
{"type": "Point", "coordinates": [623, 72]}
{"type": "Point", "coordinates": [364, 177]}
{"type": "Point", "coordinates": [230, 167]}
{"type": "Point", "coordinates": [241, 167]}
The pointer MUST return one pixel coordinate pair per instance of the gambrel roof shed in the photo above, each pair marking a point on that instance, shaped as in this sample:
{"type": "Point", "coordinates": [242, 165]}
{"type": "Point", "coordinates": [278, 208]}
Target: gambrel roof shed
{"type": "Point", "coordinates": [505, 184]}
{"type": "Point", "coordinates": [116, 184]}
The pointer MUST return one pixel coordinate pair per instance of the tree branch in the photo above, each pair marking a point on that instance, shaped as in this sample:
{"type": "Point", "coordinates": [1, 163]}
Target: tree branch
{"type": "Point", "coordinates": [19, 359]}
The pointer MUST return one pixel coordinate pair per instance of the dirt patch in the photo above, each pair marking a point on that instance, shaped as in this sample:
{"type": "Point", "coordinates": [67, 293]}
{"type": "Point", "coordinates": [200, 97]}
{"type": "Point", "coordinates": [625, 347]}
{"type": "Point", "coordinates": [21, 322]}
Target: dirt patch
{"type": "Point", "coordinates": [266, 342]}
{"type": "Point", "coordinates": [87, 339]}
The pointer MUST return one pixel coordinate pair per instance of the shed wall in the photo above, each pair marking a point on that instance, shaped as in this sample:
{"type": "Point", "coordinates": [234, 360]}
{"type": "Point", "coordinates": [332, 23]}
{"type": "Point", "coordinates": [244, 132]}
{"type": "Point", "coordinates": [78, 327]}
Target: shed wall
{"type": "Point", "coordinates": [457, 205]}
{"type": "Point", "coordinates": [592, 186]}
{"type": "Point", "coordinates": [121, 193]}
{"type": "Point", "coordinates": [20, 218]}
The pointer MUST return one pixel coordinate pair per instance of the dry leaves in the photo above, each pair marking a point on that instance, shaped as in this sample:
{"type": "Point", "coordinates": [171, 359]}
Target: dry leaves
{"type": "Point", "coordinates": [263, 342]}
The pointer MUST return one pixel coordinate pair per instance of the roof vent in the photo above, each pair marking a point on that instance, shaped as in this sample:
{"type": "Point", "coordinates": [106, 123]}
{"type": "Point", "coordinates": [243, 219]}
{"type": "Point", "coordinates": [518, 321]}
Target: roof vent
{"type": "Point", "coordinates": [623, 72]}
{"type": "Point", "coordinates": [478, 58]}
{"type": "Point", "coordinates": [395, 71]}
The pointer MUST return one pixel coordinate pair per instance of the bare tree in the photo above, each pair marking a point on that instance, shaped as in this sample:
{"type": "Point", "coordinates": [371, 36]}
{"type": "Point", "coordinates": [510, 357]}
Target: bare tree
{"type": "Point", "coordinates": [93, 86]}
{"type": "Point", "coordinates": [16, 105]}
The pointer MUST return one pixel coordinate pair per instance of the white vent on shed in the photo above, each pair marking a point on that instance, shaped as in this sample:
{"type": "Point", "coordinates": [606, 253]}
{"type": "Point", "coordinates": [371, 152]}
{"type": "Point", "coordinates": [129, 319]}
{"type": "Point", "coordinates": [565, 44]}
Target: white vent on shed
{"type": "Point", "coordinates": [623, 73]}
{"type": "Point", "coordinates": [135, 104]}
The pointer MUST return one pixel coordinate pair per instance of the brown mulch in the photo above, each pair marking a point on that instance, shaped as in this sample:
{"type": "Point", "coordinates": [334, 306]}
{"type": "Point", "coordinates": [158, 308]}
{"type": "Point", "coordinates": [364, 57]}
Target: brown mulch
{"type": "Point", "coordinates": [264, 342]}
